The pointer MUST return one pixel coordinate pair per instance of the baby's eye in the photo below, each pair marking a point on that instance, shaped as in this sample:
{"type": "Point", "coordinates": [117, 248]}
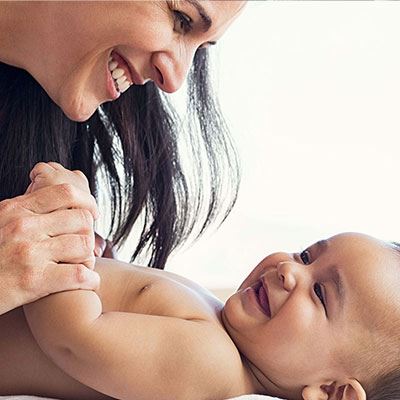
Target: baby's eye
{"type": "Point", "coordinates": [320, 295]}
{"type": "Point", "coordinates": [305, 257]}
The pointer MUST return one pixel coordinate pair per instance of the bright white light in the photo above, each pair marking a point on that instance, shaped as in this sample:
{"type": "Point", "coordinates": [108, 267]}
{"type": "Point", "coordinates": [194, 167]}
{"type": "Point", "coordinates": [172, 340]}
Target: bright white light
{"type": "Point", "coordinates": [312, 93]}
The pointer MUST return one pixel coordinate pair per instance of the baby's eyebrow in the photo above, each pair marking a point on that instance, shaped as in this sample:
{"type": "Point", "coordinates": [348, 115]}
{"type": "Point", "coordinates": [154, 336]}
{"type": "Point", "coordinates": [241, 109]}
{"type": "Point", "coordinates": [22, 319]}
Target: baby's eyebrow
{"type": "Point", "coordinates": [333, 274]}
{"type": "Point", "coordinates": [339, 287]}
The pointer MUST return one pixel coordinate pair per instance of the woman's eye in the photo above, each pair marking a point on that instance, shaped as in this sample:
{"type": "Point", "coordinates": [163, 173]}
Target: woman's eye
{"type": "Point", "coordinates": [182, 22]}
{"type": "Point", "coordinates": [318, 292]}
{"type": "Point", "coordinates": [305, 257]}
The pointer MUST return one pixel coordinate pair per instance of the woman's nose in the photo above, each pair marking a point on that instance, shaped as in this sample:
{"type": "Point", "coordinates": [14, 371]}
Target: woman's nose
{"type": "Point", "coordinates": [287, 274]}
{"type": "Point", "coordinates": [171, 69]}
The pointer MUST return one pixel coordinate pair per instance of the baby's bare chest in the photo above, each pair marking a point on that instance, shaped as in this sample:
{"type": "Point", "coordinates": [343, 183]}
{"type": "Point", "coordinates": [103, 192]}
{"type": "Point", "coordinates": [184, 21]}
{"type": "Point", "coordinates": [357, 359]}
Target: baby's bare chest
{"type": "Point", "coordinates": [154, 292]}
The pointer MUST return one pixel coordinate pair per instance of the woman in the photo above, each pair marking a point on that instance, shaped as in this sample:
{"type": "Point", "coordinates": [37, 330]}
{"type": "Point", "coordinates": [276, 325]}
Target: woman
{"type": "Point", "coordinates": [61, 61]}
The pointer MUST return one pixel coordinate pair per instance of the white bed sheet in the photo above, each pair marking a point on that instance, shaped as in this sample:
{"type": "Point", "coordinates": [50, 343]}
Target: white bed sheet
{"type": "Point", "coordinates": [248, 397]}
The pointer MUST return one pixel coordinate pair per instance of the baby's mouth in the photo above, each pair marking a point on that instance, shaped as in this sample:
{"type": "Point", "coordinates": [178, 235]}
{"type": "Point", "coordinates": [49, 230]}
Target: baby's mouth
{"type": "Point", "coordinates": [262, 297]}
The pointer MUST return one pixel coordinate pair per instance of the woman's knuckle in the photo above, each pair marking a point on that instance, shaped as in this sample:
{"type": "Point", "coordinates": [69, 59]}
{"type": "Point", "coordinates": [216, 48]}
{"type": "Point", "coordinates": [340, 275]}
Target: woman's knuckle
{"type": "Point", "coordinates": [90, 261]}
{"type": "Point", "coordinates": [55, 164]}
{"type": "Point", "coordinates": [7, 206]}
{"type": "Point", "coordinates": [87, 243]}
{"type": "Point", "coordinates": [94, 202]}
{"type": "Point", "coordinates": [68, 191]}
{"type": "Point", "coordinates": [40, 166]}
{"type": "Point", "coordinates": [39, 169]}
{"type": "Point", "coordinates": [19, 227]}
{"type": "Point", "coordinates": [81, 175]}
{"type": "Point", "coordinates": [86, 218]}
{"type": "Point", "coordinates": [80, 273]}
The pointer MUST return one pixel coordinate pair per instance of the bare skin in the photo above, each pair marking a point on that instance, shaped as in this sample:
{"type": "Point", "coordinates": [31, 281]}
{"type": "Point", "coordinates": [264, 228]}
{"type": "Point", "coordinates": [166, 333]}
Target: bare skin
{"type": "Point", "coordinates": [65, 46]}
{"type": "Point", "coordinates": [127, 289]}
{"type": "Point", "coordinates": [148, 334]}
{"type": "Point", "coordinates": [133, 295]}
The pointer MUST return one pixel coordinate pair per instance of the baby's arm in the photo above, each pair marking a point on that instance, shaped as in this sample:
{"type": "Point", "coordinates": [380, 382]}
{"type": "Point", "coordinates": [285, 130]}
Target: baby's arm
{"type": "Point", "coordinates": [125, 355]}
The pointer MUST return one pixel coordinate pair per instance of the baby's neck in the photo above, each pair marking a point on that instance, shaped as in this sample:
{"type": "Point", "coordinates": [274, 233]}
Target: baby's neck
{"type": "Point", "coordinates": [260, 382]}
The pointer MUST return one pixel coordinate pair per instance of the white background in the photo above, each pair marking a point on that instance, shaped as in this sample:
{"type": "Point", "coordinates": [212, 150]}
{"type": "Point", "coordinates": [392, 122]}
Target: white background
{"type": "Point", "coordinates": [311, 91]}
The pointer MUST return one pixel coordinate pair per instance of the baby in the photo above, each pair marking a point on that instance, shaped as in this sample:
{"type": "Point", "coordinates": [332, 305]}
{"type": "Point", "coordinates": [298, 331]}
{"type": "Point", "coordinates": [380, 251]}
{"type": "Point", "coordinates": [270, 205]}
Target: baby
{"type": "Point", "coordinates": [320, 324]}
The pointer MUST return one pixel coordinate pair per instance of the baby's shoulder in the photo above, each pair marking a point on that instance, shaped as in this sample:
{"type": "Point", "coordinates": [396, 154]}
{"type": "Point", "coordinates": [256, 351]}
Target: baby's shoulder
{"type": "Point", "coordinates": [135, 289]}
{"type": "Point", "coordinates": [209, 361]}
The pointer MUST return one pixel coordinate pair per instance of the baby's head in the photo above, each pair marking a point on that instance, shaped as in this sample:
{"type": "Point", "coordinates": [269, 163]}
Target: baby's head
{"type": "Point", "coordinates": [324, 323]}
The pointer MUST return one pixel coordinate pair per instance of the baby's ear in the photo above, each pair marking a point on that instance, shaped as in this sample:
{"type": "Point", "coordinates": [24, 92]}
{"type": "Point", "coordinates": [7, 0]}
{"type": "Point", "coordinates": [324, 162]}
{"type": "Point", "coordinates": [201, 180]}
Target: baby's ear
{"type": "Point", "coordinates": [351, 389]}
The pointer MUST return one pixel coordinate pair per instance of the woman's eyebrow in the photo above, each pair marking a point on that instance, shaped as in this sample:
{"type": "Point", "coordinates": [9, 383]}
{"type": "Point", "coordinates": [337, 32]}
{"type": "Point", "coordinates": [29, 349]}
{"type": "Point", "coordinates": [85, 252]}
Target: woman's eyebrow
{"type": "Point", "coordinates": [207, 21]}
{"type": "Point", "coordinates": [322, 245]}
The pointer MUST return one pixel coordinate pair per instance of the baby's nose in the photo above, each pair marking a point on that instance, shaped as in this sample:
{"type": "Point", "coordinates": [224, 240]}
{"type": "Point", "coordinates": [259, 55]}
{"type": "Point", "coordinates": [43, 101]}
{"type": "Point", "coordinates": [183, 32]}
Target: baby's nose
{"type": "Point", "coordinates": [286, 274]}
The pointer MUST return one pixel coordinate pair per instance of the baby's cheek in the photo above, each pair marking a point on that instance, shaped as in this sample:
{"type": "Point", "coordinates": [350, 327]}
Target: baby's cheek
{"type": "Point", "coordinates": [300, 328]}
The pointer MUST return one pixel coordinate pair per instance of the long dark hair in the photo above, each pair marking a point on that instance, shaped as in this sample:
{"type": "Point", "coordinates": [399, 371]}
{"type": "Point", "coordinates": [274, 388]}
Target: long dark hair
{"type": "Point", "coordinates": [135, 140]}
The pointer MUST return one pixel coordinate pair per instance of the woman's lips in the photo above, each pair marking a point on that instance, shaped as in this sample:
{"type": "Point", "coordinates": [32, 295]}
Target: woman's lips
{"type": "Point", "coordinates": [113, 93]}
{"type": "Point", "coordinates": [122, 64]}
{"type": "Point", "coordinates": [131, 73]}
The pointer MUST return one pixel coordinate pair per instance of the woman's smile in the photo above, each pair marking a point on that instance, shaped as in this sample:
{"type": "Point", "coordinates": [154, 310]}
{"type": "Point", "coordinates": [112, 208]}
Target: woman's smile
{"type": "Point", "coordinates": [120, 72]}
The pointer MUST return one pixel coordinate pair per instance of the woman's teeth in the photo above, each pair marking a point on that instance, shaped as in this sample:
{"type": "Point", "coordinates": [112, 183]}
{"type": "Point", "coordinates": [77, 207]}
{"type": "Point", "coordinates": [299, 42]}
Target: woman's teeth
{"type": "Point", "coordinates": [120, 80]}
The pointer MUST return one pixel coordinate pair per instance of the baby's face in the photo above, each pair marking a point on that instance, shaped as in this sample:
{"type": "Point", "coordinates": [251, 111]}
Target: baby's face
{"type": "Point", "coordinates": [296, 316]}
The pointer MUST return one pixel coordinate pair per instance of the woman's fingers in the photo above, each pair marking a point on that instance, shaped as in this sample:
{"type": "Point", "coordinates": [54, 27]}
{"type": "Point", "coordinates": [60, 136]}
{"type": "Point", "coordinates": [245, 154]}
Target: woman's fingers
{"type": "Point", "coordinates": [65, 222]}
{"type": "Point", "coordinates": [53, 198]}
{"type": "Point", "coordinates": [41, 168]}
{"type": "Point", "coordinates": [40, 227]}
{"type": "Point", "coordinates": [56, 278]}
{"type": "Point", "coordinates": [60, 277]}
{"type": "Point", "coordinates": [52, 173]}
{"type": "Point", "coordinates": [47, 200]}
{"type": "Point", "coordinates": [71, 249]}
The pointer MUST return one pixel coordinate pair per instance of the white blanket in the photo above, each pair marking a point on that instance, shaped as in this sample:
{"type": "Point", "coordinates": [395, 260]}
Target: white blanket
{"type": "Point", "coordinates": [248, 397]}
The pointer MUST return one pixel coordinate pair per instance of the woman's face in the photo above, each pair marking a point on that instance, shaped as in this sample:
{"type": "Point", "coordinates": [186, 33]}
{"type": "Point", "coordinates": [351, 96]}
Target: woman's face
{"type": "Point", "coordinates": [149, 40]}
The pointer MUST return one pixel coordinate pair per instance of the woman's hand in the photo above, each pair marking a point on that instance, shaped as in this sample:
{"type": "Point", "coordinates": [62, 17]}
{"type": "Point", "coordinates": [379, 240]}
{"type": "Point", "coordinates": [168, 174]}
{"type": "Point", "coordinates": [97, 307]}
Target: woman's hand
{"type": "Point", "coordinates": [51, 173]}
{"type": "Point", "coordinates": [47, 238]}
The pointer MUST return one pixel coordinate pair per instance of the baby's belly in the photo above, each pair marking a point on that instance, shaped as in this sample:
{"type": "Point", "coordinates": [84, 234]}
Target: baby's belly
{"type": "Point", "coordinates": [24, 369]}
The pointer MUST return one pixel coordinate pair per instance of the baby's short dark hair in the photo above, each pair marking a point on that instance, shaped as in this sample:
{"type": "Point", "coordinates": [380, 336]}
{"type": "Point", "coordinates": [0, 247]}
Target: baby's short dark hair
{"type": "Point", "coordinates": [386, 385]}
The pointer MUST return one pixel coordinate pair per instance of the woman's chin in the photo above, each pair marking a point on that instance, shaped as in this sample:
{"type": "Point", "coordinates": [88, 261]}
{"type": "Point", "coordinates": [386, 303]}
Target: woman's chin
{"type": "Point", "coordinates": [77, 107]}
{"type": "Point", "coordinates": [79, 115]}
